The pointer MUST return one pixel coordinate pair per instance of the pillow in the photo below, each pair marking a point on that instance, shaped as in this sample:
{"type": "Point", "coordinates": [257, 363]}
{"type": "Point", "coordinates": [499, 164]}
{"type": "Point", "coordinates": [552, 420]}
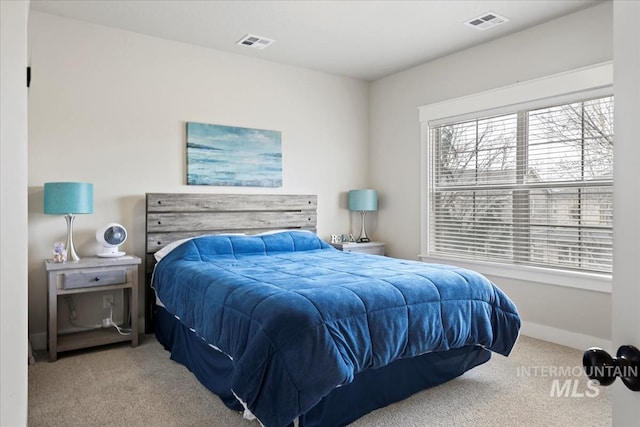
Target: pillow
{"type": "Point", "coordinates": [171, 246]}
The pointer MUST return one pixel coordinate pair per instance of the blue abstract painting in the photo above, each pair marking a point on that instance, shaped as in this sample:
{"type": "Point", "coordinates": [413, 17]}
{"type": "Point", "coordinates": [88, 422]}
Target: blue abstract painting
{"type": "Point", "coordinates": [233, 156]}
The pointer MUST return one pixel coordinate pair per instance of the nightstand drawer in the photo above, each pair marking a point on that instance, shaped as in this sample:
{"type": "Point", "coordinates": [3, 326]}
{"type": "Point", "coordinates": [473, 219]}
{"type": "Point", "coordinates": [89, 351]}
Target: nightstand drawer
{"type": "Point", "coordinates": [88, 279]}
{"type": "Point", "coordinates": [373, 250]}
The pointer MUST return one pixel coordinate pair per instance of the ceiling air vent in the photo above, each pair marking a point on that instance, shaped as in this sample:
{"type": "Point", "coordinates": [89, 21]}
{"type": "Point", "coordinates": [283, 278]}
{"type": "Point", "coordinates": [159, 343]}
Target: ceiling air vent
{"type": "Point", "coordinates": [256, 42]}
{"type": "Point", "coordinates": [486, 20]}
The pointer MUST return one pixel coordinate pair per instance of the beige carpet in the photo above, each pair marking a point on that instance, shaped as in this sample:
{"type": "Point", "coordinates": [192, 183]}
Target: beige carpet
{"type": "Point", "coordinates": [124, 386]}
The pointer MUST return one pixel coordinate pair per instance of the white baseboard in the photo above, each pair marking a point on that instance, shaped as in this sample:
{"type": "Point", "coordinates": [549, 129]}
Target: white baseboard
{"type": "Point", "coordinates": [564, 337]}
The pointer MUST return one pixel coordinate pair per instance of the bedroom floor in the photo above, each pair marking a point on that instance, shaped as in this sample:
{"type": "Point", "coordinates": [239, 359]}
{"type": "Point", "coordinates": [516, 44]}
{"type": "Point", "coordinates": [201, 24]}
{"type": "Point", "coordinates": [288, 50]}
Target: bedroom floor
{"type": "Point", "coordinates": [123, 386]}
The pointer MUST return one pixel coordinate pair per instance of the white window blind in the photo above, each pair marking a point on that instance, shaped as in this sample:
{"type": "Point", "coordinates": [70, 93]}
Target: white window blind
{"type": "Point", "coordinates": [531, 187]}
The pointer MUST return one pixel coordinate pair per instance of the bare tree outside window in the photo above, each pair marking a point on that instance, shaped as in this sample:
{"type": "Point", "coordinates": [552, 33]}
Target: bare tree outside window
{"type": "Point", "coordinates": [531, 187]}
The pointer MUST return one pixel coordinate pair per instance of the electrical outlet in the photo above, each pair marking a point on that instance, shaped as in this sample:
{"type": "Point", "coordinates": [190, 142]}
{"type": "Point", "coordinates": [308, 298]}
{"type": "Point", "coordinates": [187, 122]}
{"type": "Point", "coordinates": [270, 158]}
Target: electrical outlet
{"type": "Point", "coordinates": [107, 301]}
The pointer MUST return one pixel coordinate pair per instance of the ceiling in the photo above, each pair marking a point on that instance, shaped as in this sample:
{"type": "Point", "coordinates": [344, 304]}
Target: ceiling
{"type": "Point", "coordinates": [361, 39]}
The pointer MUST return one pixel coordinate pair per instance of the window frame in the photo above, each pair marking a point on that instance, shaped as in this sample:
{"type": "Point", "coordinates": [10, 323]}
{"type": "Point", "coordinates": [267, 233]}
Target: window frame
{"type": "Point", "coordinates": [588, 82]}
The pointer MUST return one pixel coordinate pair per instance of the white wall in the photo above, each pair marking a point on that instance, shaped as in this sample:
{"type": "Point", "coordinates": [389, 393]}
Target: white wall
{"type": "Point", "coordinates": [109, 107]}
{"type": "Point", "coordinates": [13, 213]}
{"type": "Point", "coordinates": [567, 43]}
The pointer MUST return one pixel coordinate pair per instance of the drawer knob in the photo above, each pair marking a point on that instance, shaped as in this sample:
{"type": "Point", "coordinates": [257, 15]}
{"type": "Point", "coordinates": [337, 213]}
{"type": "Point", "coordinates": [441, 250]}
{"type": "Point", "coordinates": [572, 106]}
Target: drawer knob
{"type": "Point", "coordinates": [96, 279]}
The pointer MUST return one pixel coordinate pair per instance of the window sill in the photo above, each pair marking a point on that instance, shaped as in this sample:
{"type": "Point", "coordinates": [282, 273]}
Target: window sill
{"type": "Point", "coordinates": [572, 279]}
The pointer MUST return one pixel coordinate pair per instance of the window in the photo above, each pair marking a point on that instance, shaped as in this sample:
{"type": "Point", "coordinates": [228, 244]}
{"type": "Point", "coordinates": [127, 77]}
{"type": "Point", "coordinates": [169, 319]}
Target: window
{"type": "Point", "coordinates": [528, 187]}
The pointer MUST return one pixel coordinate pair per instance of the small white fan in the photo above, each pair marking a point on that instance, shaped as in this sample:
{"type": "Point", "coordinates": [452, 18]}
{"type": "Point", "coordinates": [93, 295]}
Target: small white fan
{"type": "Point", "coordinates": [111, 236]}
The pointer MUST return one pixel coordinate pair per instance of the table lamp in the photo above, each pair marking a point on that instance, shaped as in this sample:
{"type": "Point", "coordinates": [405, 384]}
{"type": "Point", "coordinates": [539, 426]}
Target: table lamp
{"type": "Point", "coordinates": [363, 201]}
{"type": "Point", "coordinates": [68, 199]}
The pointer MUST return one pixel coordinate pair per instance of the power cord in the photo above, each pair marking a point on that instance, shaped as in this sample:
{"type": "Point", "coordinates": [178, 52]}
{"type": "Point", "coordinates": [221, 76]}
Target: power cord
{"type": "Point", "coordinates": [72, 306]}
{"type": "Point", "coordinates": [110, 322]}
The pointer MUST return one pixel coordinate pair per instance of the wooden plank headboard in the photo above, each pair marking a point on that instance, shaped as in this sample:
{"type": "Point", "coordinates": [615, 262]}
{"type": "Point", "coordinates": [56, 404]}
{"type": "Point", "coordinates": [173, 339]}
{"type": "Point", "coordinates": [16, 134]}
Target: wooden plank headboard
{"type": "Point", "coordinates": [175, 216]}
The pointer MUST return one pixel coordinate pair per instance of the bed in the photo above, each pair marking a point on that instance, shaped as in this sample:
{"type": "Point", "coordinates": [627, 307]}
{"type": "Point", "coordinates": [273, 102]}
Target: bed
{"type": "Point", "coordinates": [291, 331]}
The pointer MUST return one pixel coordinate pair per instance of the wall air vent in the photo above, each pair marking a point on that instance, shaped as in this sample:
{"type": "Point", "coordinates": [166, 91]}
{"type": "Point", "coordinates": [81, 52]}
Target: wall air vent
{"type": "Point", "coordinates": [256, 42]}
{"type": "Point", "coordinates": [486, 20]}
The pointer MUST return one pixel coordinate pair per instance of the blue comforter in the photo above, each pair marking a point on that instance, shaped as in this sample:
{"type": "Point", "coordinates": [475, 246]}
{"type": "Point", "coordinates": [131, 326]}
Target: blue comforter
{"type": "Point", "coordinates": [300, 318]}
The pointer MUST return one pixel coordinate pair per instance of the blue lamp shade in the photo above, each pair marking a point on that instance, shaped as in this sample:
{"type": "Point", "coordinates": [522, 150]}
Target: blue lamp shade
{"type": "Point", "coordinates": [68, 199]}
{"type": "Point", "coordinates": [62, 198]}
{"type": "Point", "coordinates": [363, 200]}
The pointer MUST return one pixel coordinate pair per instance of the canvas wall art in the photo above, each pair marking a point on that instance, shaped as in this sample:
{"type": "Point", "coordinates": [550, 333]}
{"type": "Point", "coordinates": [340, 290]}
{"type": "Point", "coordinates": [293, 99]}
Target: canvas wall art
{"type": "Point", "coordinates": [233, 156]}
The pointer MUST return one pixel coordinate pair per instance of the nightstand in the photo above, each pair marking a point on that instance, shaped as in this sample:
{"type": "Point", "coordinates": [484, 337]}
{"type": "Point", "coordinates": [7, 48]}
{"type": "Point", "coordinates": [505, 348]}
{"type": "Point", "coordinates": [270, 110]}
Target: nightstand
{"type": "Point", "coordinates": [373, 248]}
{"type": "Point", "coordinates": [91, 274]}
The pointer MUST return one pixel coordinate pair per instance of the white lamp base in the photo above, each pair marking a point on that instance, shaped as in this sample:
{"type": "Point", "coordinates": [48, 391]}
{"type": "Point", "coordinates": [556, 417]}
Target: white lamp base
{"type": "Point", "coordinates": [71, 250]}
{"type": "Point", "coordinates": [363, 233]}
